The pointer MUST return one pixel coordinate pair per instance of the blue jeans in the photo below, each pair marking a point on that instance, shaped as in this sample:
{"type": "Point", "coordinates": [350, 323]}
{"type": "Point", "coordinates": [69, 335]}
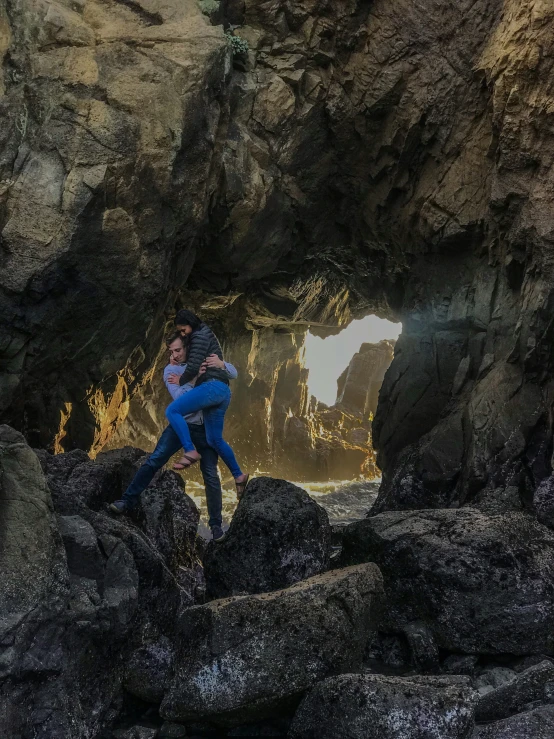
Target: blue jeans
{"type": "Point", "coordinates": [213, 398]}
{"type": "Point", "coordinates": [167, 446]}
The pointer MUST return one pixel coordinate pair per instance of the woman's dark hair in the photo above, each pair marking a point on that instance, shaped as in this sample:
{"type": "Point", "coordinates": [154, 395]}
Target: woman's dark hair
{"type": "Point", "coordinates": [187, 318]}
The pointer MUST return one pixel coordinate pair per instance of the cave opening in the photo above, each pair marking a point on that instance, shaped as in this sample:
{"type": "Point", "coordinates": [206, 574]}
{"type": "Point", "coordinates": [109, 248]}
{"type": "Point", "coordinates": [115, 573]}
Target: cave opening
{"type": "Point", "coordinates": [327, 358]}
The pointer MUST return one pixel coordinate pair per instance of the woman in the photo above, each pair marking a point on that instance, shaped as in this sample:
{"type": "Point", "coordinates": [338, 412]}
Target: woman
{"type": "Point", "coordinates": [211, 395]}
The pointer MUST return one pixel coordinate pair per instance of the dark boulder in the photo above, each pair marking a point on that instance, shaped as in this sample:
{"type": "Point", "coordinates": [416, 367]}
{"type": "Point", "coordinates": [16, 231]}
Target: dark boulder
{"type": "Point", "coordinates": [249, 658]}
{"type": "Point", "coordinates": [381, 707]}
{"type": "Point", "coordinates": [277, 537]}
{"type": "Point", "coordinates": [482, 584]}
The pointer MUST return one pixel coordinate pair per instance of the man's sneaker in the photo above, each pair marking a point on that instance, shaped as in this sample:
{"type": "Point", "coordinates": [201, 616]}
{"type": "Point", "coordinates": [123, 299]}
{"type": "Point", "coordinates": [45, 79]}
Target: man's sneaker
{"type": "Point", "coordinates": [120, 506]}
{"type": "Point", "coordinates": [217, 533]}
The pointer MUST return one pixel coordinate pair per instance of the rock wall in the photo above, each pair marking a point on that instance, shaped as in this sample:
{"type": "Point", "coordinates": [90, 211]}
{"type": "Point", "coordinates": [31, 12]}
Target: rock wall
{"type": "Point", "coordinates": [387, 157]}
{"type": "Point", "coordinates": [108, 119]}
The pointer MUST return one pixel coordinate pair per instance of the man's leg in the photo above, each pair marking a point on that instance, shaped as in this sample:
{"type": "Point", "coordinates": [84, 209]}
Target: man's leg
{"type": "Point", "coordinates": [168, 445]}
{"type": "Point", "coordinates": [208, 466]}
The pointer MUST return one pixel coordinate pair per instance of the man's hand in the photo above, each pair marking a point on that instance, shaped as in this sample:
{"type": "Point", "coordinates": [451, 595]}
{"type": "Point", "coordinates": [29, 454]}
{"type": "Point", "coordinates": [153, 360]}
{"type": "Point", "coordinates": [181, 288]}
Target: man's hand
{"type": "Point", "coordinates": [173, 379]}
{"type": "Point", "coordinates": [202, 370]}
{"type": "Point", "coordinates": [214, 361]}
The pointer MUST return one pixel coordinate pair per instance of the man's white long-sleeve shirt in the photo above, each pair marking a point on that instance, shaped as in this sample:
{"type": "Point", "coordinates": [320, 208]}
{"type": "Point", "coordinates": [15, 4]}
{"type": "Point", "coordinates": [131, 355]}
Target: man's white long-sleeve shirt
{"type": "Point", "coordinates": [177, 390]}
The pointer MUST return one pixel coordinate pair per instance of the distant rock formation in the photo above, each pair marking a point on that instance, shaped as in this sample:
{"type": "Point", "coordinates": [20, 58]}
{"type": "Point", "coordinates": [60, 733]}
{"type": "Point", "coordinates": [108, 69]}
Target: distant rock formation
{"type": "Point", "coordinates": [359, 384]}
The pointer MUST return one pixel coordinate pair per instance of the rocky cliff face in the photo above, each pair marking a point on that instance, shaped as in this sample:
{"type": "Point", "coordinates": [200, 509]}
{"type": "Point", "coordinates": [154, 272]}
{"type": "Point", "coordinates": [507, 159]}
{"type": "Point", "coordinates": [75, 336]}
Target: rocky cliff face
{"type": "Point", "coordinates": [389, 157]}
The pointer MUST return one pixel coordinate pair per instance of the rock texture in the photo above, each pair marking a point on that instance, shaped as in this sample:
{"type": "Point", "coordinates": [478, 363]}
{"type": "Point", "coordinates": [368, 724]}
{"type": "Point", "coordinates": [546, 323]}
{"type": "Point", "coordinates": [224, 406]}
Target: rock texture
{"type": "Point", "coordinates": [242, 659]}
{"type": "Point", "coordinates": [80, 589]}
{"type": "Point", "coordinates": [480, 583]}
{"type": "Point", "coordinates": [379, 707]}
{"type": "Point", "coordinates": [278, 536]}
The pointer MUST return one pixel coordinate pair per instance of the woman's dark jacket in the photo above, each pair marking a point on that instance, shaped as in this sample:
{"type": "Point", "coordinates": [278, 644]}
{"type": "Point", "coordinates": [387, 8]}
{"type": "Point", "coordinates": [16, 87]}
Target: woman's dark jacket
{"type": "Point", "coordinates": [202, 343]}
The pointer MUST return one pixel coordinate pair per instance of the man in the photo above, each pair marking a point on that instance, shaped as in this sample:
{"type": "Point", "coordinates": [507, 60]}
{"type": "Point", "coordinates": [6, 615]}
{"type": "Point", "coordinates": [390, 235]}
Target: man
{"type": "Point", "coordinates": [169, 443]}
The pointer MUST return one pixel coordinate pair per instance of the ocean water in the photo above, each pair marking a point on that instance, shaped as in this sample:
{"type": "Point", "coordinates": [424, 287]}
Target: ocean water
{"type": "Point", "coordinates": [345, 501]}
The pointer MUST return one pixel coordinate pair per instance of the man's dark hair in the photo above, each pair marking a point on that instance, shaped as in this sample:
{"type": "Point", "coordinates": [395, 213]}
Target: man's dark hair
{"type": "Point", "coordinates": [170, 338]}
{"type": "Point", "coordinates": [187, 318]}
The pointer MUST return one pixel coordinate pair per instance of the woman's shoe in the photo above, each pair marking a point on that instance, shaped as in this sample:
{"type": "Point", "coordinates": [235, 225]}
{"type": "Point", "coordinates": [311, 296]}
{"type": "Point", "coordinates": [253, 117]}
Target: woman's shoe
{"type": "Point", "coordinates": [241, 486]}
{"type": "Point", "coordinates": [186, 462]}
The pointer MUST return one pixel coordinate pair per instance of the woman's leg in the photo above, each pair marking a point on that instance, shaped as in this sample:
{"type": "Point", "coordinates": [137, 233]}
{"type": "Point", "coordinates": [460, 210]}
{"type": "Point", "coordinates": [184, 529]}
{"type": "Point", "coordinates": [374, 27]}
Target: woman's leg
{"type": "Point", "coordinates": [195, 400]}
{"type": "Point", "coordinates": [214, 418]}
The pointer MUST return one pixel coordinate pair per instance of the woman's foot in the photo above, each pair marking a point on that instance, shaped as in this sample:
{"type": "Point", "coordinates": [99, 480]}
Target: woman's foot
{"type": "Point", "coordinates": [241, 483]}
{"type": "Point", "coordinates": [187, 460]}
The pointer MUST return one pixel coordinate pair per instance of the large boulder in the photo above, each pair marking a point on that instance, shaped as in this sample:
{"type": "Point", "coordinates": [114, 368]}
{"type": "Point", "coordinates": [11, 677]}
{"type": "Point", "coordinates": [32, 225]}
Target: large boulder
{"type": "Point", "coordinates": [277, 537]}
{"type": "Point", "coordinates": [482, 584]}
{"type": "Point", "coordinates": [244, 659]}
{"type": "Point", "coordinates": [381, 707]}
{"type": "Point", "coordinates": [535, 724]}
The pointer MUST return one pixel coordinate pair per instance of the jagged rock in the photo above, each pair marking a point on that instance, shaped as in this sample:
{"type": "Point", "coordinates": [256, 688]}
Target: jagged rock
{"type": "Point", "coordinates": [482, 584]}
{"type": "Point", "coordinates": [148, 669]}
{"type": "Point", "coordinates": [277, 537]}
{"type": "Point", "coordinates": [247, 658]}
{"type": "Point", "coordinates": [536, 724]}
{"type": "Point", "coordinates": [534, 684]}
{"type": "Point", "coordinates": [380, 707]}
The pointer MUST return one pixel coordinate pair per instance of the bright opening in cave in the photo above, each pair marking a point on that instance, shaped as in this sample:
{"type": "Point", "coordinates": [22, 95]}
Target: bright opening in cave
{"type": "Point", "coordinates": [326, 358]}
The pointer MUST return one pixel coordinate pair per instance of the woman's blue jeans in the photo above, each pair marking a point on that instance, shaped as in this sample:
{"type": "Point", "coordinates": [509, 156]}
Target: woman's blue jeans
{"type": "Point", "coordinates": [213, 398]}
